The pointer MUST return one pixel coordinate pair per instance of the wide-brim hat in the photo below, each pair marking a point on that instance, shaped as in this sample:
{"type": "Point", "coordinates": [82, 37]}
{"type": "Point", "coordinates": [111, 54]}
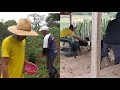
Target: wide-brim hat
{"type": "Point", "coordinates": [23, 28]}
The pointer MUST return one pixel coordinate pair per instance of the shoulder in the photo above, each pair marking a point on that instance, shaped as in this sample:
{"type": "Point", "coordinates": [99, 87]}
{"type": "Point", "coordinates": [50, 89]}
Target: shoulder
{"type": "Point", "coordinates": [66, 29]}
{"type": "Point", "coordinates": [112, 21]}
{"type": "Point", "coordinates": [51, 37]}
{"type": "Point", "coordinates": [47, 36]}
{"type": "Point", "coordinates": [7, 40]}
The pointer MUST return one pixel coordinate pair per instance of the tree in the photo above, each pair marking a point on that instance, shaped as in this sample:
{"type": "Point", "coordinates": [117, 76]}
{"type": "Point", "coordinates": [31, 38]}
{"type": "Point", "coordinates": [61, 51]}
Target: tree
{"type": "Point", "coordinates": [37, 20]}
{"type": "Point", "coordinates": [3, 29]}
{"type": "Point", "coordinates": [10, 22]}
{"type": "Point", "coordinates": [2, 20]}
{"type": "Point", "coordinates": [53, 19]}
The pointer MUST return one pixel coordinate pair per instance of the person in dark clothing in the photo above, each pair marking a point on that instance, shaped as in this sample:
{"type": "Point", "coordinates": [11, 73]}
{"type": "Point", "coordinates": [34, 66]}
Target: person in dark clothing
{"type": "Point", "coordinates": [112, 39]}
{"type": "Point", "coordinates": [49, 50]}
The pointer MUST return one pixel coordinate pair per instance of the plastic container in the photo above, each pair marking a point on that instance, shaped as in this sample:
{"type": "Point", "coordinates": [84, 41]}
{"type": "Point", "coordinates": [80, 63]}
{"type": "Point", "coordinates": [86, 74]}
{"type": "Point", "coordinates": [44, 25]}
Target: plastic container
{"type": "Point", "coordinates": [31, 69]}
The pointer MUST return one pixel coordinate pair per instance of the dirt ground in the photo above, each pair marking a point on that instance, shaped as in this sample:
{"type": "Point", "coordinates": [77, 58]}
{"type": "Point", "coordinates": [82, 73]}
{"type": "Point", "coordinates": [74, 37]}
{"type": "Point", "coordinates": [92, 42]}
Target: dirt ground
{"type": "Point", "coordinates": [73, 67]}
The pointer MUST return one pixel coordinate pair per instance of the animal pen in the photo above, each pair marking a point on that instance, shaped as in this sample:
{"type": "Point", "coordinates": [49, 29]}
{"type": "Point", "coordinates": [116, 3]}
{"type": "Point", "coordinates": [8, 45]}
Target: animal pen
{"type": "Point", "coordinates": [93, 28]}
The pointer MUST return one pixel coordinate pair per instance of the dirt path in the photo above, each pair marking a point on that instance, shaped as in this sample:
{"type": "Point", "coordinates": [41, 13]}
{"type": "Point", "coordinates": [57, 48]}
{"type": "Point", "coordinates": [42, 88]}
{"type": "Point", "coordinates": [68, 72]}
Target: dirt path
{"type": "Point", "coordinates": [71, 67]}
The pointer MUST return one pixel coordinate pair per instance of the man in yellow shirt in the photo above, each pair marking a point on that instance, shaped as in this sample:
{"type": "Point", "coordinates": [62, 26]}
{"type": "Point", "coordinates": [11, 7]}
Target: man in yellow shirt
{"type": "Point", "coordinates": [13, 49]}
{"type": "Point", "coordinates": [68, 32]}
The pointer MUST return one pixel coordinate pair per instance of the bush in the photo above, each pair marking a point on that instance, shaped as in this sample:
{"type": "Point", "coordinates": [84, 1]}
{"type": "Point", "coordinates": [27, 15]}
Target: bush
{"type": "Point", "coordinates": [34, 50]}
{"type": "Point", "coordinates": [33, 47]}
{"type": "Point", "coordinates": [32, 57]}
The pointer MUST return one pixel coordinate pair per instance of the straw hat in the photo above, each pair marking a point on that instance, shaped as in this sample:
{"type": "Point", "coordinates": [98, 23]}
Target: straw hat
{"type": "Point", "coordinates": [44, 28]}
{"type": "Point", "coordinates": [23, 28]}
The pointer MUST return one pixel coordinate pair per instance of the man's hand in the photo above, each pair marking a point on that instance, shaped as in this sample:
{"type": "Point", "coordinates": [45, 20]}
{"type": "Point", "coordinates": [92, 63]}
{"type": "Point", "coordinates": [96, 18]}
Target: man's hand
{"type": "Point", "coordinates": [27, 62]}
{"type": "Point", "coordinates": [31, 63]}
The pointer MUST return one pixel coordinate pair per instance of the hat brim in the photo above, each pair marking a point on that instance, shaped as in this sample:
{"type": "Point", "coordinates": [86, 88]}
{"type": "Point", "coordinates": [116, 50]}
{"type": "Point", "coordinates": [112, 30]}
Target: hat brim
{"type": "Point", "coordinates": [43, 30]}
{"type": "Point", "coordinates": [13, 29]}
{"type": "Point", "coordinates": [40, 30]}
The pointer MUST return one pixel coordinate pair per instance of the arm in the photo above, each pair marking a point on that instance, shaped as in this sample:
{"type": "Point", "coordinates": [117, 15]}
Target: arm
{"type": "Point", "coordinates": [4, 68]}
{"type": "Point", "coordinates": [80, 39]}
{"type": "Point", "coordinates": [77, 37]}
{"type": "Point", "coordinates": [27, 62]}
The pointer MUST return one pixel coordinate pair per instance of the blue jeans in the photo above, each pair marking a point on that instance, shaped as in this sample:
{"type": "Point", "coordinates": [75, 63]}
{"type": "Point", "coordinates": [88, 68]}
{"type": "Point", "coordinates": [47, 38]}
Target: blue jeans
{"type": "Point", "coordinates": [116, 51]}
{"type": "Point", "coordinates": [50, 65]}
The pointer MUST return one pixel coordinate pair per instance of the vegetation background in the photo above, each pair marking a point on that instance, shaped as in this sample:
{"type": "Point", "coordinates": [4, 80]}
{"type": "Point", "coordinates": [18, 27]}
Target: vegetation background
{"type": "Point", "coordinates": [83, 22]}
{"type": "Point", "coordinates": [34, 44]}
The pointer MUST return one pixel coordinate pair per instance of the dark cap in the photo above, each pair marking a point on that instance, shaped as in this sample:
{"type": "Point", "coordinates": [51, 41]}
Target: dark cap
{"type": "Point", "coordinates": [71, 26]}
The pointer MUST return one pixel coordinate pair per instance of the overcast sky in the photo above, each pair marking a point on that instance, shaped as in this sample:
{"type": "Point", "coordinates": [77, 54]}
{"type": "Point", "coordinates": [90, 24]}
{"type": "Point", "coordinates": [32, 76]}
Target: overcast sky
{"type": "Point", "coordinates": [16, 15]}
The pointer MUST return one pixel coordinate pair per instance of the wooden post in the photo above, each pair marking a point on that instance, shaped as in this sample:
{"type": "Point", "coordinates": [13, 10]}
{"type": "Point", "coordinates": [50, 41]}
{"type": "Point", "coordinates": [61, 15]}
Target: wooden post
{"type": "Point", "coordinates": [96, 44]}
{"type": "Point", "coordinates": [70, 19]}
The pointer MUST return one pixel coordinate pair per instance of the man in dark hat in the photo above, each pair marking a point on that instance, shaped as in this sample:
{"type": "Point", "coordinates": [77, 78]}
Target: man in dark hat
{"type": "Point", "coordinates": [112, 39]}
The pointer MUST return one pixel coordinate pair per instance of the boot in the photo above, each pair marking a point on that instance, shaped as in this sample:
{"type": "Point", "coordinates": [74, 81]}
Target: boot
{"type": "Point", "coordinates": [51, 75]}
{"type": "Point", "coordinates": [56, 73]}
